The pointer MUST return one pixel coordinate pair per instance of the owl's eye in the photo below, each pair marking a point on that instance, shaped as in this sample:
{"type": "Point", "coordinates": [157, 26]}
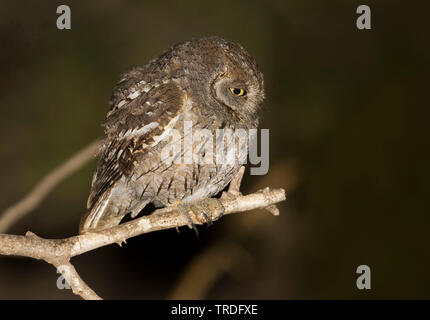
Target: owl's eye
{"type": "Point", "coordinates": [238, 92]}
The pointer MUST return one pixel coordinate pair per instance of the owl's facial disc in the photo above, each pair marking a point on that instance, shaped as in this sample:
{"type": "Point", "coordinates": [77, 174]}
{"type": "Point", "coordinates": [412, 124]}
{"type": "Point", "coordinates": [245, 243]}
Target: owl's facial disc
{"type": "Point", "coordinates": [231, 93]}
{"type": "Point", "coordinates": [235, 94]}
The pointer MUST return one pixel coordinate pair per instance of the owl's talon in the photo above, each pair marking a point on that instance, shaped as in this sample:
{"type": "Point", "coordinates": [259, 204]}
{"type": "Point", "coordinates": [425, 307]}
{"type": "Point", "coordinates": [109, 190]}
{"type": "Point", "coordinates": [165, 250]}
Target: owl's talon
{"type": "Point", "coordinates": [201, 211]}
{"type": "Point", "coordinates": [210, 209]}
{"type": "Point", "coordinates": [184, 210]}
{"type": "Point", "coordinates": [204, 211]}
{"type": "Point", "coordinates": [209, 222]}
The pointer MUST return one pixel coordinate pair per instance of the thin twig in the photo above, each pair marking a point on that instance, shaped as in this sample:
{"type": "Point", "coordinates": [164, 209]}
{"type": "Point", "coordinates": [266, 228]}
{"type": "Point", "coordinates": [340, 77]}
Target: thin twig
{"type": "Point", "coordinates": [42, 189]}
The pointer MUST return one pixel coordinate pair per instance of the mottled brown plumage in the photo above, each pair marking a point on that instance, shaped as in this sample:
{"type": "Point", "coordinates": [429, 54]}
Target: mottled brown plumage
{"type": "Point", "coordinates": [192, 81]}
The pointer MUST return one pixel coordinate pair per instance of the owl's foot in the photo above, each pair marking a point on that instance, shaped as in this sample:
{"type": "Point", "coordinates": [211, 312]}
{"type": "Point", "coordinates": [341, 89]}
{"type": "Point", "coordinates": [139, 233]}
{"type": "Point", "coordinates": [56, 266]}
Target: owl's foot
{"type": "Point", "coordinates": [204, 211]}
{"type": "Point", "coordinates": [209, 209]}
{"type": "Point", "coordinates": [185, 211]}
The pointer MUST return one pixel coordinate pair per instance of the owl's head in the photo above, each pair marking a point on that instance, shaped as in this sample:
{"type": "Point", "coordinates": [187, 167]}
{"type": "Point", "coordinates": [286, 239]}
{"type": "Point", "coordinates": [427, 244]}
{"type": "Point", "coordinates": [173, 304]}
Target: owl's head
{"type": "Point", "coordinates": [224, 76]}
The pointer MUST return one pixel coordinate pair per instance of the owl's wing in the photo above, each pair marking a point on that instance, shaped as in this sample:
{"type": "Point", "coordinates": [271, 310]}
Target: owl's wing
{"type": "Point", "coordinates": [132, 126]}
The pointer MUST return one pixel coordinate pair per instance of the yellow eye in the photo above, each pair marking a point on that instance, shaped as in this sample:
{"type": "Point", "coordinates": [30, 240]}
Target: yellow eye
{"type": "Point", "coordinates": [238, 92]}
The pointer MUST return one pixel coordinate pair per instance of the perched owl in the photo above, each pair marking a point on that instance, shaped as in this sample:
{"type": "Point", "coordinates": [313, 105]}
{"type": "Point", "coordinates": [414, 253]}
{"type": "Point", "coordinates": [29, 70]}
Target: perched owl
{"type": "Point", "coordinates": [210, 83]}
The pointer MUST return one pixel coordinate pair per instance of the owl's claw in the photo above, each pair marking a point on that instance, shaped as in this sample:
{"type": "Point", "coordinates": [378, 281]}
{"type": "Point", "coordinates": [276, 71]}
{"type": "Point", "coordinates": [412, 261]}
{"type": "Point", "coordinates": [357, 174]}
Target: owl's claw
{"type": "Point", "coordinates": [204, 211]}
{"type": "Point", "coordinates": [185, 211]}
{"type": "Point", "coordinates": [209, 209]}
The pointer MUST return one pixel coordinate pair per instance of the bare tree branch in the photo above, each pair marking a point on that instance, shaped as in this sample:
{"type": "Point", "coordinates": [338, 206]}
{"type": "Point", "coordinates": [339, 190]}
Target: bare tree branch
{"type": "Point", "coordinates": [42, 189]}
{"type": "Point", "coordinates": [59, 251]}
{"type": "Point", "coordinates": [78, 286]}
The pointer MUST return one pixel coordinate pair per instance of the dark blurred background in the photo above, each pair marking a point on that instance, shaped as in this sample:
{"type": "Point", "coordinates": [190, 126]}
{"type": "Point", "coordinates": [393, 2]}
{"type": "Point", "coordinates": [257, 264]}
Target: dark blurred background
{"type": "Point", "coordinates": [347, 113]}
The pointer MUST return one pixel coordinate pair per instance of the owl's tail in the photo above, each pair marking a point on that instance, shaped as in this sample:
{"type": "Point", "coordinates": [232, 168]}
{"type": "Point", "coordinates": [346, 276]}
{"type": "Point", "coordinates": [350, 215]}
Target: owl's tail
{"type": "Point", "coordinates": [100, 216]}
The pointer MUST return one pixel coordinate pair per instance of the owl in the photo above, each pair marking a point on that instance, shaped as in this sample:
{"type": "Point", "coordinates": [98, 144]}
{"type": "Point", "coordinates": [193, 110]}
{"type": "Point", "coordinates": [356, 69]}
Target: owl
{"type": "Point", "coordinates": [204, 85]}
